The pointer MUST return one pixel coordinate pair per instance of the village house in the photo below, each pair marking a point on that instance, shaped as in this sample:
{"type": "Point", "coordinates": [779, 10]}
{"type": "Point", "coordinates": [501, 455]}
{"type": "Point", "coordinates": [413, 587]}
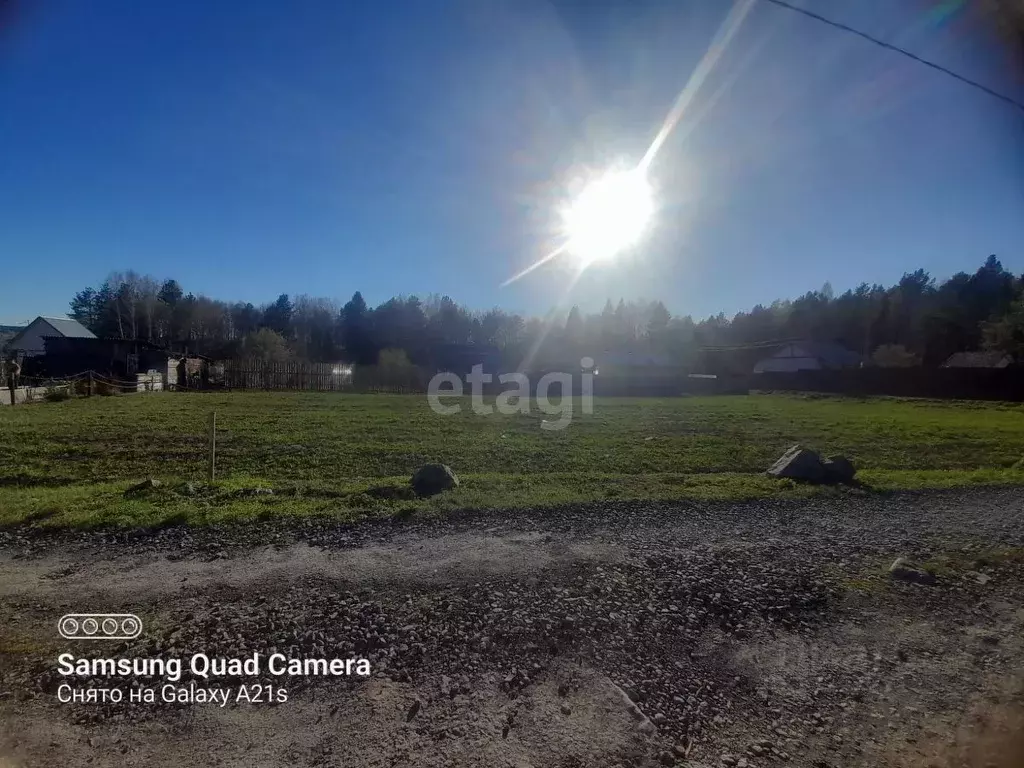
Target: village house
{"type": "Point", "coordinates": [29, 342]}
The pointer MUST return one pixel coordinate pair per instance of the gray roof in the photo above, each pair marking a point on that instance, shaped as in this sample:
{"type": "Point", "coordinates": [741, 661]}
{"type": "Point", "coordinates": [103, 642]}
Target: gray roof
{"type": "Point", "coordinates": [977, 360]}
{"type": "Point", "coordinates": [68, 328]}
{"type": "Point", "coordinates": [832, 353]}
{"type": "Point", "coordinates": [829, 352]}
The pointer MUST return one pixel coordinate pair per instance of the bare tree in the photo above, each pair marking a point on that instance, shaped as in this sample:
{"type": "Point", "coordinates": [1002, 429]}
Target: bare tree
{"type": "Point", "coordinates": [148, 288]}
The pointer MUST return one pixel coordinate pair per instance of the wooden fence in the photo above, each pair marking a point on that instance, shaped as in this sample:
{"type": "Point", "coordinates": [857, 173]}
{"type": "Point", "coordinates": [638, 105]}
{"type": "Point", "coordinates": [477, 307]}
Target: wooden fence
{"type": "Point", "coordinates": [328, 377]}
{"type": "Point", "coordinates": [941, 383]}
{"type": "Point", "coordinates": [317, 377]}
{"type": "Point", "coordinates": [953, 383]}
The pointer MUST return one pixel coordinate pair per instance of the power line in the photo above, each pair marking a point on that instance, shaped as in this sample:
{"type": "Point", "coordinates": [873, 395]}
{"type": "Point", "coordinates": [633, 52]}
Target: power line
{"type": "Point", "coordinates": [897, 49]}
{"type": "Point", "coordinates": [750, 345]}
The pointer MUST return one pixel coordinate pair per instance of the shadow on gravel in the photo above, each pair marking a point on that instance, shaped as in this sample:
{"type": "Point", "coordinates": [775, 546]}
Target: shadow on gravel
{"type": "Point", "coordinates": [38, 517]}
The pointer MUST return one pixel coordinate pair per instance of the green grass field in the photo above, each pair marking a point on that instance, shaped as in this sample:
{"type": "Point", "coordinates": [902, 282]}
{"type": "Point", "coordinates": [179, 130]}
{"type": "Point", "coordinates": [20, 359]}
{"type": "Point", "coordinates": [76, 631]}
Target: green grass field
{"type": "Point", "coordinates": [68, 463]}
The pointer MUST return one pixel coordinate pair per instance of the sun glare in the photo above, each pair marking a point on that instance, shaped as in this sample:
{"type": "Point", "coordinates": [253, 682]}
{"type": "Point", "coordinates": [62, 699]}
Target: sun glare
{"type": "Point", "coordinates": [608, 217]}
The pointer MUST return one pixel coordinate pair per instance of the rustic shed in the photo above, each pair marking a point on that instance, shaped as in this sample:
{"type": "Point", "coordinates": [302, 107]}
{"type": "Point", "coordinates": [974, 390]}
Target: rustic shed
{"type": "Point", "coordinates": [120, 359]}
{"type": "Point", "coordinates": [29, 341]}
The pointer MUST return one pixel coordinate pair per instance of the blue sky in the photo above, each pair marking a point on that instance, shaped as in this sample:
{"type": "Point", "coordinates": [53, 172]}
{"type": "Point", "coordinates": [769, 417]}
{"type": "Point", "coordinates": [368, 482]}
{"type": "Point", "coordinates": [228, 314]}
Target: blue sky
{"type": "Point", "coordinates": [420, 146]}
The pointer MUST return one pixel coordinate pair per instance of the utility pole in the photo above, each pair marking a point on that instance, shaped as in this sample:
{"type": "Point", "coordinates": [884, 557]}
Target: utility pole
{"type": "Point", "coordinates": [213, 446]}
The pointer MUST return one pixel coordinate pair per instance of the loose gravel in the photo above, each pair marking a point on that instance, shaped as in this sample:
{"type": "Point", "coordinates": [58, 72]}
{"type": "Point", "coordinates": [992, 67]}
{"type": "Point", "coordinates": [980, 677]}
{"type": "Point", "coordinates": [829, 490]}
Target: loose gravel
{"type": "Point", "coordinates": [738, 634]}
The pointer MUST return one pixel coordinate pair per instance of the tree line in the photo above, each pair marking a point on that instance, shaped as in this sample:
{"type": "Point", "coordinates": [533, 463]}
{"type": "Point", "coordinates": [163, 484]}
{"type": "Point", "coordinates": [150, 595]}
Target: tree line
{"type": "Point", "coordinates": [917, 321]}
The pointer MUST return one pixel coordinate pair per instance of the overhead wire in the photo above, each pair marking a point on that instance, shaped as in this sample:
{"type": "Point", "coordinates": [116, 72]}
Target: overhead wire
{"type": "Point", "coordinates": [897, 49]}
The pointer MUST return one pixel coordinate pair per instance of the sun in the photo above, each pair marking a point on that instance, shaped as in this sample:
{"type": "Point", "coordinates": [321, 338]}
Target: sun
{"type": "Point", "coordinates": [608, 217]}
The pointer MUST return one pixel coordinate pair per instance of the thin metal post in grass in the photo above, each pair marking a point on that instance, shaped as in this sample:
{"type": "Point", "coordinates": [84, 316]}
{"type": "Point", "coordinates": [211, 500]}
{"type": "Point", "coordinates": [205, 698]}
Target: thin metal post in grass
{"type": "Point", "coordinates": [213, 446]}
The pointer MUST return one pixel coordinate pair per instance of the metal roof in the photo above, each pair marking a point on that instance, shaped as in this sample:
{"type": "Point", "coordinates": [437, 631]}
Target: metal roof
{"type": "Point", "coordinates": [977, 360]}
{"type": "Point", "coordinates": [68, 328]}
{"type": "Point", "coordinates": [830, 352]}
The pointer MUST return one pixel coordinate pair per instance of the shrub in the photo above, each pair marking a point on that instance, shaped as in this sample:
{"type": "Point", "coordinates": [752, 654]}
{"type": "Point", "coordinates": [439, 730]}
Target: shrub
{"type": "Point", "coordinates": [895, 356]}
{"type": "Point", "coordinates": [393, 359]}
{"type": "Point", "coordinates": [56, 394]}
{"type": "Point", "coordinates": [393, 372]}
{"type": "Point", "coordinates": [104, 388]}
{"type": "Point", "coordinates": [266, 346]}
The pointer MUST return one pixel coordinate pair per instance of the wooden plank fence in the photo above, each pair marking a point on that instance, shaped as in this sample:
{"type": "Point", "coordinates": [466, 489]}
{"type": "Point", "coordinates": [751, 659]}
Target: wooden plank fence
{"type": "Point", "coordinates": [316, 377]}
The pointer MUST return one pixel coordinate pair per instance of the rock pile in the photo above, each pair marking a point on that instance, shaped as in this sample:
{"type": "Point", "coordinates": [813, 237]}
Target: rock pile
{"type": "Point", "coordinates": [805, 465]}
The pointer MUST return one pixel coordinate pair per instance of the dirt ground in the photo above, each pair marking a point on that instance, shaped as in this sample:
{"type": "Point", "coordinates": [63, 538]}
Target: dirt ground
{"type": "Point", "coordinates": [596, 635]}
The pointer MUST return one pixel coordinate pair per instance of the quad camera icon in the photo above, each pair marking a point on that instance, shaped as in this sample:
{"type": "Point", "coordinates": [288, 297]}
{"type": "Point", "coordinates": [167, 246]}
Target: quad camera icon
{"type": "Point", "coordinates": [99, 626]}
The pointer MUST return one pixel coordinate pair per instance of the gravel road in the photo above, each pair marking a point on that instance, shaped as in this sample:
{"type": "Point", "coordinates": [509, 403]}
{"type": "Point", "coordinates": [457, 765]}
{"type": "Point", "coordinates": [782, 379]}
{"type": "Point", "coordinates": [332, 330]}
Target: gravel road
{"type": "Point", "coordinates": [624, 634]}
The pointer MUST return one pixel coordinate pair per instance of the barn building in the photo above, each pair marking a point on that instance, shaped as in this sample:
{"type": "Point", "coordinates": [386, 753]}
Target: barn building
{"type": "Point", "coordinates": [29, 342]}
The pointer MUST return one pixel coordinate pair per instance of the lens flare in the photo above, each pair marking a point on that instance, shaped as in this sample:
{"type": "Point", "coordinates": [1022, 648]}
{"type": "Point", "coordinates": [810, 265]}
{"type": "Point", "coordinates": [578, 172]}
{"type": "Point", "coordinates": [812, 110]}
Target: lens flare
{"type": "Point", "coordinates": [608, 217]}
{"type": "Point", "coordinates": [613, 212]}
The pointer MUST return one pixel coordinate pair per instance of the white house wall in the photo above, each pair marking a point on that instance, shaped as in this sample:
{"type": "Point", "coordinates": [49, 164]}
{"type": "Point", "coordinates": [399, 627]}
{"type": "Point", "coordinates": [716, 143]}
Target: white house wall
{"type": "Point", "coordinates": [30, 342]}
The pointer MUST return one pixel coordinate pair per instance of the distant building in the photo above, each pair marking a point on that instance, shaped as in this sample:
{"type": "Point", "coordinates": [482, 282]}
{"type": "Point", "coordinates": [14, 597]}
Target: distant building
{"type": "Point", "coordinates": [7, 333]}
{"type": "Point", "coordinates": [978, 360]}
{"type": "Point", "coordinates": [29, 342]}
{"type": "Point", "coordinates": [809, 356]}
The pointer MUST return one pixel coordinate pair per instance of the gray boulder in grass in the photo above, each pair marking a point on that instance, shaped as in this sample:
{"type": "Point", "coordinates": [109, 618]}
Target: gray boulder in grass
{"type": "Point", "coordinates": [799, 463]}
{"type": "Point", "coordinates": [432, 479]}
{"type": "Point", "coordinates": [839, 469]}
